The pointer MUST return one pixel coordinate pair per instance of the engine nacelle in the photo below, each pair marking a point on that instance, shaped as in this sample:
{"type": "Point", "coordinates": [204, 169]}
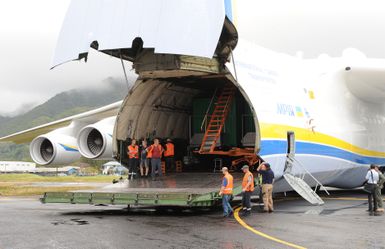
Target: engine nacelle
{"type": "Point", "coordinates": [54, 148]}
{"type": "Point", "coordinates": [95, 141]}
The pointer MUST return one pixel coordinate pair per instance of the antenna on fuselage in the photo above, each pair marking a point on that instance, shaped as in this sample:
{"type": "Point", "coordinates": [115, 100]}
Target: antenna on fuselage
{"type": "Point", "coordinates": [235, 70]}
{"type": "Point", "coordinates": [124, 70]}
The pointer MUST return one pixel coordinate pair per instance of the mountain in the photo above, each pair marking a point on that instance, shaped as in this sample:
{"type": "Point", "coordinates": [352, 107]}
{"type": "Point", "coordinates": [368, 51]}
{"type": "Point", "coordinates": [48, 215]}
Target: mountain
{"type": "Point", "coordinates": [3, 119]}
{"type": "Point", "coordinates": [60, 106]}
{"type": "Point", "coordinates": [65, 104]}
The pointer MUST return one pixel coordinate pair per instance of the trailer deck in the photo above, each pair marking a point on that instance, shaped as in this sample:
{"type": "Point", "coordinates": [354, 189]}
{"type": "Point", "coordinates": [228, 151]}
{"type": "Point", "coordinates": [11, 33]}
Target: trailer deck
{"type": "Point", "coordinates": [179, 189]}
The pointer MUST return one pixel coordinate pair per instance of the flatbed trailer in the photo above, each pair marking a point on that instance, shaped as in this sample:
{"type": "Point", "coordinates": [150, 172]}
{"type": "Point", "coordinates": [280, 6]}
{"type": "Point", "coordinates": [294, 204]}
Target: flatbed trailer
{"type": "Point", "coordinates": [180, 189]}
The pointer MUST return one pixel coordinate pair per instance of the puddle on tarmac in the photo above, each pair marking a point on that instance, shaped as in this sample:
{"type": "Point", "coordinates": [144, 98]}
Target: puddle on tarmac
{"type": "Point", "coordinates": [70, 222]}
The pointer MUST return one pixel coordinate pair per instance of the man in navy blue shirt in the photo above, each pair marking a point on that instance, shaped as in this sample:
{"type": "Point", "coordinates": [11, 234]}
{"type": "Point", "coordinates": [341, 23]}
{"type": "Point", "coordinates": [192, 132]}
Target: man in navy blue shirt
{"type": "Point", "coordinates": [267, 186]}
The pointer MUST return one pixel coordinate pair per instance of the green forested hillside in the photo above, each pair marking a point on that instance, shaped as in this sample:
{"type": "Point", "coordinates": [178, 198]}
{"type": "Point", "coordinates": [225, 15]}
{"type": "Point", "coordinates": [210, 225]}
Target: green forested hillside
{"type": "Point", "coordinates": [62, 105]}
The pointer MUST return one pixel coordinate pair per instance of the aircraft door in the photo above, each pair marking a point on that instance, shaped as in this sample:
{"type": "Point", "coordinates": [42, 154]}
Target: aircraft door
{"type": "Point", "coordinates": [290, 151]}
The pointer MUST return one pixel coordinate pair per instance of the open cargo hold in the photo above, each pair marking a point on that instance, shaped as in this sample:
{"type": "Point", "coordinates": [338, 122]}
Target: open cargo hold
{"type": "Point", "coordinates": [171, 93]}
{"type": "Point", "coordinates": [180, 109]}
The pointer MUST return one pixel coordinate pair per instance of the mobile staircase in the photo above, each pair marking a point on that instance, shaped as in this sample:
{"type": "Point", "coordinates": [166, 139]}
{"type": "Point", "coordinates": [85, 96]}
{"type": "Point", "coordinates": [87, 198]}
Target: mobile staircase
{"type": "Point", "coordinates": [297, 182]}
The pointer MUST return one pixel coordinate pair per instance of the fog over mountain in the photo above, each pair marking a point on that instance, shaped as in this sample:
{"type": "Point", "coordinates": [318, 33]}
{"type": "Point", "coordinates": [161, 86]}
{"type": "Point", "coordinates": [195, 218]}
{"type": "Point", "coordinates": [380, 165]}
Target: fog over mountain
{"type": "Point", "coordinates": [66, 104]}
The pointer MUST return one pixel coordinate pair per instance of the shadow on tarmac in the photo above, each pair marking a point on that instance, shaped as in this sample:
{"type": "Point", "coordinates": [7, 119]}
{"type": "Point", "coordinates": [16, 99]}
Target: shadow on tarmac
{"type": "Point", "coordinates": [148, 211]}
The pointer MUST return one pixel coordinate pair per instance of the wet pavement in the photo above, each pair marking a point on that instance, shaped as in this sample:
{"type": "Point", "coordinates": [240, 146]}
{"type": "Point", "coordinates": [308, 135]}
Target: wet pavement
{"type": "Point", "coordinates": [341, 223]}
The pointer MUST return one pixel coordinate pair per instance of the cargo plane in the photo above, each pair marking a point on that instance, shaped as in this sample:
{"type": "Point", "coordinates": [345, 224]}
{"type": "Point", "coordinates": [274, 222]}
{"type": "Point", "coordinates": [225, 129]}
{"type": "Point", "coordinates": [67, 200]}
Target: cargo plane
{"type": "Point", "coordinates": [205, 83]}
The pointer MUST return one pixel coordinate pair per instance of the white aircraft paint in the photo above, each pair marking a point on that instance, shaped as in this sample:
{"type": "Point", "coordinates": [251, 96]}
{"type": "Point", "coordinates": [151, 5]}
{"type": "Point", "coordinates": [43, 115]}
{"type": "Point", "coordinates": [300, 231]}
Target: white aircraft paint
{"type": "Point", "coordinates": [166, 25]}
{"type": "Point", "coordinates": [334, 106]}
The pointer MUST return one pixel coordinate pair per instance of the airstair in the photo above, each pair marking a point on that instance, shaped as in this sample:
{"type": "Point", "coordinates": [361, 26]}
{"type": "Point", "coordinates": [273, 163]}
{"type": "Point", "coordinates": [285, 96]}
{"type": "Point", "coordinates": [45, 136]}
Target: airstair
{"type": "Point", "coordinates": [217, 120]}
{"type": "Point", "coordinates": [297, 182]}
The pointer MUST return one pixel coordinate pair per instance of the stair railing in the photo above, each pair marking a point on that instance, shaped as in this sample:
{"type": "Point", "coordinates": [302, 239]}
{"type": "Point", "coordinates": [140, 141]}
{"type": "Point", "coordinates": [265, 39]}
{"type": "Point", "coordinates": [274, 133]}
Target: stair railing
{"type": "Point", "coordinates": [208, 109]}
{"type": "Point", "coordinates": [306, 172]}
{"type": "Point", "coordinates": [224, 111]}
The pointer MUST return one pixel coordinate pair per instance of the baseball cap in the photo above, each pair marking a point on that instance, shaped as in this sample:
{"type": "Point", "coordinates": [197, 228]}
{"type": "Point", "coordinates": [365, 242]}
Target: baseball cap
{"type": "Point", "coordinates": [245, 167]}
{"type": "Point", "coordinates": [266, 164]}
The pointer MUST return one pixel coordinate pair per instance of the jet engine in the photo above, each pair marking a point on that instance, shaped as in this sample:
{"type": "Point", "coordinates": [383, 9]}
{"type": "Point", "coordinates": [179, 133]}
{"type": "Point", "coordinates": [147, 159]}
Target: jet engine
{"type": "Point", "coordinates": [54, 148]}
{"type": "Point", "coordinates": [95, 141]}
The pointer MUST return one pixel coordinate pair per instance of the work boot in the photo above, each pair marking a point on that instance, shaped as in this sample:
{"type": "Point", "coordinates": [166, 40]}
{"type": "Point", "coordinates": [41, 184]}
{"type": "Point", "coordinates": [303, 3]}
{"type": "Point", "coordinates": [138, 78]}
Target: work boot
{"type": "Point", "coordinates": [245, 212]}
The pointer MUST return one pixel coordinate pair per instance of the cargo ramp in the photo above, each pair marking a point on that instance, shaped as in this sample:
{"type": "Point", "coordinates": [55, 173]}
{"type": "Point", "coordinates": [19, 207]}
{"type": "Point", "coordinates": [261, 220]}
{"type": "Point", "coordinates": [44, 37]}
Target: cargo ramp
{"type": "Point", "coordinates": [180, 189]}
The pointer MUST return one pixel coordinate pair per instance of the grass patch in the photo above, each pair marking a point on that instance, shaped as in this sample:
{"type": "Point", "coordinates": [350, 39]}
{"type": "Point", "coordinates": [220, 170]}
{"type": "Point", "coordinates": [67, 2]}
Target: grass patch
{"type": "Point", "coordinates": [12, 189]}
{"type": "Point", "coordinates": [26, 178]}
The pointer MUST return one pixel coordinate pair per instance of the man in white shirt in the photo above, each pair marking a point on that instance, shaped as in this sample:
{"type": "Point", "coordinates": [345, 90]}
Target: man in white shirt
{"type": "Point", "coordinates": [372, 179]}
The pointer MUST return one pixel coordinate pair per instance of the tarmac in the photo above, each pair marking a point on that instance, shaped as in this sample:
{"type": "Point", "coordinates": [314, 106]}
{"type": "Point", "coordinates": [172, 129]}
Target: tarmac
{"type": "Point", "coordinates": [342, 222]}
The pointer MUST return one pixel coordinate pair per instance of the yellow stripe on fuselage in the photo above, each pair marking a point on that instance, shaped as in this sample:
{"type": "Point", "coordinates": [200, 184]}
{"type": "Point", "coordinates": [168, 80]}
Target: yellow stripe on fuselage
{"type": "Point", "coordinates": [276, 131]}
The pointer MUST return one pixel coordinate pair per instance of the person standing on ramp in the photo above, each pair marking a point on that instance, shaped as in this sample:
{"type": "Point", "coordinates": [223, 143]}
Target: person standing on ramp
{"type": "Point", "coordinates": [133, 158]}
{"type": "Point", "coordinates": [155, 153]}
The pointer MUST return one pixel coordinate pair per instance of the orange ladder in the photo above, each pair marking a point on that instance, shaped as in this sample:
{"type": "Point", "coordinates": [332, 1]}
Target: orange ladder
{"type": "Point", "coordinates": [217, 120]}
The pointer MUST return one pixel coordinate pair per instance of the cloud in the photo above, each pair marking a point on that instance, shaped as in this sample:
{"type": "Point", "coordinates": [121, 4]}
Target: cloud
{"type": "Point", "coordinates": [23, 108]}
{"type": "Point", "coordinates": [315, 27]}
{"type": "Point", "coordinates": [28, 39]}
{"type": "Point", "coordinates": [27, 43]}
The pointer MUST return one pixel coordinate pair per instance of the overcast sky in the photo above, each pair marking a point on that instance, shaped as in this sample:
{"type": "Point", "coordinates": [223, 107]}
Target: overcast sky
{"type": "Point", "coordinates": [29, 29]}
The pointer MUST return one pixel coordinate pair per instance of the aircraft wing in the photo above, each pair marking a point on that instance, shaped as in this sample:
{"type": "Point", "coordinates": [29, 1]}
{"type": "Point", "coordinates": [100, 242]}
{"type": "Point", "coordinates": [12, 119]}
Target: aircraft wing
{"type": "Point", "coordinates": [367, 82]}
{"type": "Point", "coordinates": [169, 26]}
{"type": "Point", "coordinates": [84, 118]}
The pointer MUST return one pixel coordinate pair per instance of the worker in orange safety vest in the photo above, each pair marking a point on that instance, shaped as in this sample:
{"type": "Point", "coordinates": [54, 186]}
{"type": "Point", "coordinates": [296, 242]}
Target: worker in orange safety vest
{"type": "Point", "coordinates": [247, 190]}
{"type": "Point", "coordinates": [226, 192]}
{"type": "Point", "coordinates": [169, 156]}
{"type": "Point", "coordinates": [133, 158]}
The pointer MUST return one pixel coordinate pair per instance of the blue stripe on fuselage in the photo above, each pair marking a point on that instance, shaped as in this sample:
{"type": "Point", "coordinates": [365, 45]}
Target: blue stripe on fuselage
{"type": "Point", "coordinates": [271, 147]}
{"type": "Point", "coordinates": [229, 9]}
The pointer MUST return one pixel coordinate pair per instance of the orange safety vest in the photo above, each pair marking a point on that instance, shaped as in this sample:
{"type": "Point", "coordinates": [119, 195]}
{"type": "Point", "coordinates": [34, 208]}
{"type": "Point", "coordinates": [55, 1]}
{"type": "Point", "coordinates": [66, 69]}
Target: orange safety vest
{"type": "Point", "coordinates": [133, 151]}
{"type": "Point", "coordinates": [151, 148]}
{"type": "Point", "coordinates": [169, 150]}
{"type": "Point", "coordinates": [245, 180]}
{"type": "Point", "coordinates": [228, 190]}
